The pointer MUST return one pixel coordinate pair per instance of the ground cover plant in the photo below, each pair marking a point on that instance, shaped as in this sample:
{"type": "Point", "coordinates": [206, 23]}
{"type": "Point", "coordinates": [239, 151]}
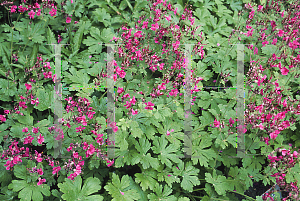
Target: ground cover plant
{"type": "Point", "coordinates": [149, 124]}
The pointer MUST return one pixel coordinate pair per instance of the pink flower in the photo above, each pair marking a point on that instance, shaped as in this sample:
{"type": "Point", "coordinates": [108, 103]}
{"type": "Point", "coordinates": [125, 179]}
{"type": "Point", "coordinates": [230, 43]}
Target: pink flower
{"type": "Point", "coordinates": [36, 5]}
{"type": "Point", "coordinates": [2, 118]}
{"type": "Point", "coordinates": [121, 192]}
{"type": "Point", "coordinates": [110, 163]}
{"type": "Point", "coordinates": [168, 18]}
{"type": "Point", "coordinates": [13, 9]}
{"type": "Point", "coordinates": [75, 155]}
{"type": "Point", "coordinates": [40, 139]}
{"type": "Point", "coordinates": [274, 134]}
{"type": "Point", "coordinates": [52, 12]}
{"type": "Point", "coordinates": [149, 104]}
{"type": "Point", "coordinates": [68, 20]}
{"type": "Point", "coordinates": [9, 165]}
{"type": "Point", "coordinates": [39, 158]}
{"type": "Point", "coordinates": [41, 181]}
{"type": "Point", "coordinates": [175, 11]}
{"type": "Point", "coordinates": [35, 130]}
{"type": "Point", "coordinates": [173, 92]}
{"type": "Point", "coordinates": [231, 121]}
{"type": "Point", "coordinates": [40, 171]}
{"type": "Point", "coordinates": [72, 176]}
{"type": "Point", "coordinates": [79, 129]}
{"type": "Point", "coordinates": [255, 50]}
{"type": "Point", "coordinates": [120, 90]}
{"type": "Point", "coordinates": [122, 74]}
{"type": "Point", "coordinates": [176, 45]}
{"type": "Point", "coordinates": [134, 112]}
{"type": "Point", "coordinates": [90, 151]}
{"type": "Point", "coordinates": [295, 154]}
{"type": "Point", "coordinates": [154, 26]}
{"type": "Point", "coordinates": [28, 86]}
{"type": "Point", "coordinates": [138, 34]}
{"type": "Point", "coordinates": [28, 140]}
{"type": "Point", "coordinates": [22, 9]}
{"type": "Point", "coordinates": [55, 170]}
{"type": "Point", "coordinates": [284, 71]}
{"type": "Point", "coordinates": [25, 130]}
{"type": "Point", "coordinates": [216, 123]}
{"type": "Point", "coordinates": [31, 14]}
{"type": "Point", "coordinates": [145, 25]}
{"type": "Point", "coordinates": [133, 100]}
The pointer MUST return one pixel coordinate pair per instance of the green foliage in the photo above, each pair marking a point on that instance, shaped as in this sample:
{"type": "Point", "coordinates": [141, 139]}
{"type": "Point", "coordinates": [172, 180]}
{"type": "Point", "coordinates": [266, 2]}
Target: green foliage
{"type": "Point", "coordinates": [159, 172]}
{"type": "Point", "coordinates": [72, 189]}
{"type": "Point", "coordinates": [116, 187]}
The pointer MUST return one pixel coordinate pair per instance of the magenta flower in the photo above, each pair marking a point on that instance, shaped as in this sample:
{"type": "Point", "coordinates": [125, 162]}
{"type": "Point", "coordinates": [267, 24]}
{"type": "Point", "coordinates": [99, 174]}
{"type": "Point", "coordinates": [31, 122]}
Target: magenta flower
{"type": "Point", "coordinates": [231, 121]}
{"type": "Point", "coordinates": [40, 171]}
{"type": "Point", "coordinates": [35, 130]}
{"type": "Point", "coordinates": [90, 151]}
{"type": "Point", "coordinates": [145, 25]}
{"type": "Point", "coordinates": [13, 9]}
{"type": "Point", "coordinates": [68, 20]}
{"type": "Point", "coordinates": [284, 71]}
{"type": "Point", "coordinates": [22, 9]}
{"type": "Point", "coordinates": [40, 139]}
{"type": "Point", "coordinates": [79, 129]}
{"type": "Point", "coordinates": [176, 45]}
{"type": "Point", "coordinates": [168, 18]}
{"type": "Point", "coordinates": [41, 181]}
{"type": "Point", "coordinates": [52, 12]}
{"type": "Point", "coordinates": [28, 140]}
{"type": "Point", "coordinates": [138, 34]}
{"type": "Point", "coordinates": [154, 26]}
{"type": "Point", "coordinates": [28, 86]}
{"type": "Point", "coordinates": [72, 176]}
{"type": "Point", "coordinates": [31, 14]}
{"type": "Point", "coordinates": [274, 134]}
{"type": "Point", "coordinates": [134, 112]}
{"type": "Point", "coordinates": [39, 158]}
{"type": "Point", "coordinates": [2, 118]}
{"type": "Point", "coordinates": [9, 165]}
{"type": "Point", "coordinates": [25, 130]}
{"type": "Point", "coordinates": [216, 123]}
{"type": "Point", "coordinates": [149, 104]}
{"type": "Point", "coordinates": [121, 192]}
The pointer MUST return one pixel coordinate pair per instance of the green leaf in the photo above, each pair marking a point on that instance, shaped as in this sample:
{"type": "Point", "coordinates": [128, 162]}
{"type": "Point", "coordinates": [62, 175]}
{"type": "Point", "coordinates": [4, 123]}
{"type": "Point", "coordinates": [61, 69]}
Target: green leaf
{"type": "Point", "coordinates": [45, 99]}
{"type": "Point", "coordinates": [29, 191]}
{"type": "Point", "coordinates": [94, 42]}
{"type": "Point", "coordinates": [189, 175]}
{"type": "Point", "coordinates": [102, 16]}
{"type": "Point", "coordinates": [107, 34]}
{"type": "Point", "coordinates": [165, 153]}
{"type": "Point", "coordinates": [161, 194]}
{"type": "Point", "coordinates": [219, 182]}
{"type": "Point", "coordinates": [145, 159]}
{"type": "Point", "coordinates": [129, 5]}
{"type": "Point", "coordinates": [72, 189]}
{"type": "Point", "coordinates": [146, 179]}
{"type": "Point", "coordinates": [43, 123]}
{"type": "Point", "coordinates": [26, 120]}
{"type": "Point", "coordinates": [78, 37]}
{"type": "Point", "coordinates": [235, 5]}
{"type": "Point", "coordinates": [8, 88]}
{"type": "Point", "coordinates": [51, 39]}
{"type": "Point", "coordinates": [117, 187]}
{"type": "Point", "coordinates": [269, 50]}
{"type": "Point", "coordinates": [21, 172]}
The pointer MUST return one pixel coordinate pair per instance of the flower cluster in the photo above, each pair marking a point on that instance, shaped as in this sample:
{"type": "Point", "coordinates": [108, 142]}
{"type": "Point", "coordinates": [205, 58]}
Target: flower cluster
{"type": "Point", "coordinates": [282, 163]}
